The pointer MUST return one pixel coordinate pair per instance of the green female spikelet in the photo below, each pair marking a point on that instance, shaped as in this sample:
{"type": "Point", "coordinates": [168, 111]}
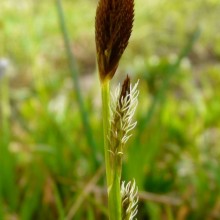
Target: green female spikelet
{"type": "Point", "coordinates": [123, 106]}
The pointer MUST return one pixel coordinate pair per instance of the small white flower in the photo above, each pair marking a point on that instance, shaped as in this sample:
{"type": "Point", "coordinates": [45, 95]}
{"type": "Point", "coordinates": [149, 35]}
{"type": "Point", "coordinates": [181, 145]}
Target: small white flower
{"type": "Point", "coordinates": [129, 200]}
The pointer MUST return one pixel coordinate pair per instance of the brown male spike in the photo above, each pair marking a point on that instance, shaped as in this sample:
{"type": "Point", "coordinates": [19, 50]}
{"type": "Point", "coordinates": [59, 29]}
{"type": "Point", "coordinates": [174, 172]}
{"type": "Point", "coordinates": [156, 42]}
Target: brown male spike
{"type": "Point", "coordinates": [113, 26]}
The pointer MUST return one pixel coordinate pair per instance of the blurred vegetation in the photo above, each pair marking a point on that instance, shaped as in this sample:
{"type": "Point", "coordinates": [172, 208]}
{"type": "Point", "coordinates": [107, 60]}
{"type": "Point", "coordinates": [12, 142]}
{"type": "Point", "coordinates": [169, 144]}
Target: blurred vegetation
{"type": "Point", "coordinates": [47, 166]}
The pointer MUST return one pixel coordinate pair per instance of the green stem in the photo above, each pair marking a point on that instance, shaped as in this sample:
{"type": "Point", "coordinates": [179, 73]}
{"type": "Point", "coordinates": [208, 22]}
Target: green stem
{"type": "Point", "coordinates": [106, 127]}
{"type": "Point", "coordinates": [113, 177]}
{"type": "Point", "coordinates": [114, 197]}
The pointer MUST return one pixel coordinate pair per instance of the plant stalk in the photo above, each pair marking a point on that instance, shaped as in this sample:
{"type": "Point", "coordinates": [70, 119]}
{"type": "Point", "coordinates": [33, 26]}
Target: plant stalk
{"type": "Point", "coordinates": [75, 78]}
{"type": "Point", "coordinates": [113, 177]}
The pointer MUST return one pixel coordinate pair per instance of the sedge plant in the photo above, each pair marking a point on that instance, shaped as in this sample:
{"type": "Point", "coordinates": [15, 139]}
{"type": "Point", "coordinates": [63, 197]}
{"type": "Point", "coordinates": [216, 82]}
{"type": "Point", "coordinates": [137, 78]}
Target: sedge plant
{"type": "Point", "coordinates": [113, 27]}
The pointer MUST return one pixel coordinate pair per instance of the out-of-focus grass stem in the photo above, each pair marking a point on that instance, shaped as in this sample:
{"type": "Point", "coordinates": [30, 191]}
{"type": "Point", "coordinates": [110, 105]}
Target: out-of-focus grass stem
{"type": "Point", "coordinates": [4, 107]}
{"type": "Point", "coordinates": [75, 77]}
{"type": "Point", "coordinates": [7, 178]}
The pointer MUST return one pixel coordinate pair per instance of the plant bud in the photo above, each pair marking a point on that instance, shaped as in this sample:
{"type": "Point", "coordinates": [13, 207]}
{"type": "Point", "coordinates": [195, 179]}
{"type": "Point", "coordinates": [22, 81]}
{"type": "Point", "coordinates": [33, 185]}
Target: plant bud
{"type": "Point", "coordinates": [113, 26]}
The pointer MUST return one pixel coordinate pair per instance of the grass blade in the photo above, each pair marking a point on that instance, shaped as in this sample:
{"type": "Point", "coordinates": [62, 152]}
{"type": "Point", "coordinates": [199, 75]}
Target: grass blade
{"type": "Point", "coordinates": [75, 78]}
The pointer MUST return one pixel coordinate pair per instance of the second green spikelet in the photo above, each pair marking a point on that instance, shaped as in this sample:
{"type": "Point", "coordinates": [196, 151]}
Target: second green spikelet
{"type": "Point", "coordinates": [123, 106]}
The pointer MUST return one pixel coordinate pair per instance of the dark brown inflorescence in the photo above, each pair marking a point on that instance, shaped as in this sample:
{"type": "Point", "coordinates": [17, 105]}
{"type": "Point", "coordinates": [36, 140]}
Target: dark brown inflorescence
{"type": "Point", "coordinates": [113, 26]}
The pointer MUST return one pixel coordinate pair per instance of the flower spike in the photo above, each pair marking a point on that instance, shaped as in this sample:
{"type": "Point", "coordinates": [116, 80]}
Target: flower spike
{"type": "Point", "coordinates": [123, 107]}
{"type": "Point", "coordinates": [113, 26]}
{"type": "Point", "coordinates": [129, 200]}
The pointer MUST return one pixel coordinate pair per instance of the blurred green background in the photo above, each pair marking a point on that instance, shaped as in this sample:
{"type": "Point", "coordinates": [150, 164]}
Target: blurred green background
{"type": "Point", "coordinates": [51, 153]}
